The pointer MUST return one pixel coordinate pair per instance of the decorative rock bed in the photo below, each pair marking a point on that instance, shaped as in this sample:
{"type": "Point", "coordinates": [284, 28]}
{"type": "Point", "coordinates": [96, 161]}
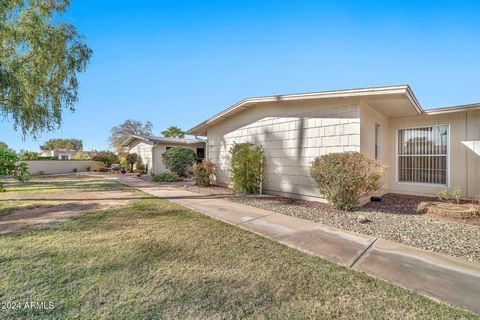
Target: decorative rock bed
{"type": "Point", "coordinates": [394, 218]}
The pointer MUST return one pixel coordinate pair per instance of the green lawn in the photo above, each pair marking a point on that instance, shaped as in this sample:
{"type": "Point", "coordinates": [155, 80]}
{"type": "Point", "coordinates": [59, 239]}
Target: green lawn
{"type": "Point", "coordinates": [156, 259]}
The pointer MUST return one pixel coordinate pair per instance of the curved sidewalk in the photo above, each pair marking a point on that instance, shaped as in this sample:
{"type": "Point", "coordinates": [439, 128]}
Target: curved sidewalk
{"type": "Point", "coordinates": [441, 277]}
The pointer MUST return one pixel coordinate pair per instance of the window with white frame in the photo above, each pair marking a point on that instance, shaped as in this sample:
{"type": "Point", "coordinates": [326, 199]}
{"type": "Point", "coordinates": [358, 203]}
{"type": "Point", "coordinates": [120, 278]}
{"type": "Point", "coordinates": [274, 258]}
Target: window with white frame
{"type": "Point", "coordinates": [423, 154]}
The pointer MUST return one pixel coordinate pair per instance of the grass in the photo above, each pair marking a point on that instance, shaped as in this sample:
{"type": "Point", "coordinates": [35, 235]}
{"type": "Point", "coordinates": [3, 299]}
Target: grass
{"type": "Point", "coordinates": [155, 259]}
{"type": "Point", "coordinates": [40, 192]}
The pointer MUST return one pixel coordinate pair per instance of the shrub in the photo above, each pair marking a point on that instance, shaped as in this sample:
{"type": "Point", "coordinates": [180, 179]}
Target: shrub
{"type": "Point", "coordinates": [106, 157]}
{"type": "Point", "coordinates": [179, 160]}
{"type": "Point", "coordinates": [28, 155]}
{"type": "Point", "coordinates": [452, 196]}
{"type": "Point", "coordinates": [81, 156]}
{"type": "Point", "coordinates": [141, 168]}
{"type": "Point", "coordinates": [203, 173]}
{"type": "Point", "coordinates": [74, 170]}
{"type": "Point", "coordinates": [132, 158]}
{"type": "Point", "coordinates": [167, 176]}
{"type": "Point", "coordinates": [123, 163]}
{"type": "Point", "coordinates": [9, 166]}
{"type": "Point", "coordinates": [345, 177]}
{"type": "Point", "coordinates": [247, 167]}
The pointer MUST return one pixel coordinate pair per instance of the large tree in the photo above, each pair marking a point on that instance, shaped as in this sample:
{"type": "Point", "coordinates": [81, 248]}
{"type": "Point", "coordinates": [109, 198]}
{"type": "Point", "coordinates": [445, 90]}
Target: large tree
{"type": "Point", "coordinates": [173, 132]}
{"type": "Point", "coordinates": [39, 62]}
{"type": "Point", "coordinates": [68, 144]}
{"type": "Point", "coordinates": [128, 128]}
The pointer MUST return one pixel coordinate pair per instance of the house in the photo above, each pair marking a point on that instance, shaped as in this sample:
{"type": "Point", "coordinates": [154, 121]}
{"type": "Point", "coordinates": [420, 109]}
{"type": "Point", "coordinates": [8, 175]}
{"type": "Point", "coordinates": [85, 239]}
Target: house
{"type": "Point", "coordinates": [425, 151]}
{"type": "Point", "coordinates": [150, 149]}
{"type": "Point", "coordinates": [60, 154]}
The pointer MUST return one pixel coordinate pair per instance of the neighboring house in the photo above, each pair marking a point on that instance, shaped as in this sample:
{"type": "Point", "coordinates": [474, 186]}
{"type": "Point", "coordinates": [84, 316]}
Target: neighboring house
{"type": "Point", "coordinates": [424, 150]}
{"type": "Point", "coordinates": [150, 149]}
{"type": "Point", "coordinates": [61, 154]}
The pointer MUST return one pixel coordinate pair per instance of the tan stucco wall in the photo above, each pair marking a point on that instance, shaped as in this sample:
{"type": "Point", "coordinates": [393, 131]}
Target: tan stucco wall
{"type": "Point", "coordinates": [292, 134]}
{"type": "Point", "coordinates": [37, 167]}
{"type": "Point", "coordinates": [464, 152]}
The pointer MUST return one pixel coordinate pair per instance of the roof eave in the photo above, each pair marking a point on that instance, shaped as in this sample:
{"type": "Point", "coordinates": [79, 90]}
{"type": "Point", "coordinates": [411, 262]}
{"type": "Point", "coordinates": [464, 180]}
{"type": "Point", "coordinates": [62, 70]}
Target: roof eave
{"type": "Point", "coordinates": [200, 129]}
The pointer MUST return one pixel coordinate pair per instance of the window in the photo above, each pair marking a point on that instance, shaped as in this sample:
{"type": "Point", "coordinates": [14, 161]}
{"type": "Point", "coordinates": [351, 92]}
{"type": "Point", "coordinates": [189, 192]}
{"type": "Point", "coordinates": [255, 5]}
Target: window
{"type": "Point", "coordinates": [201, 153]}
{"type": "Point", "coordinates": [377, 141]}
{"type": "Point", "coordinates": [422, 155]}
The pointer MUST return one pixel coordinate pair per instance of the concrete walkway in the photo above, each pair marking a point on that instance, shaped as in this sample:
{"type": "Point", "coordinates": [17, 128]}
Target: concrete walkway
{"type": "Point", "coordinates": [445, 278]}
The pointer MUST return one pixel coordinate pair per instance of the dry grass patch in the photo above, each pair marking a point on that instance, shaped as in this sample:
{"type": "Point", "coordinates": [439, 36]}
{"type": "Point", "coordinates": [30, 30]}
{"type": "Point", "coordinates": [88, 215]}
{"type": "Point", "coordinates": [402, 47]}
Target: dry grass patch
{"type": "Point", "coordinates": [44, 201]}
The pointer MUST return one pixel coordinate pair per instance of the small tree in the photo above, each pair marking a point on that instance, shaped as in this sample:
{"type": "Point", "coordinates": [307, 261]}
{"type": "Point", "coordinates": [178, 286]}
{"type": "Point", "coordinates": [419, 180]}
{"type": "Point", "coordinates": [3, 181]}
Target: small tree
{"type": "Point", "coordinates": [132, 158]}
{"type": "Point", "coordinates": [68, 144]}
{"type": "Point", "coordinates": [173, 132]}
{"type": "Point", "coordinates": [179, 160]}
{"type": "Point", "coordinates": [345, 177]}
{"type": "Point", "coordinates": [106, 157]}
{"type": "Point", "coordinates": [203, 173]}
{"type": "Point", "coordinates": [9, 166]}
{"type": "Point", "coordinates": [247, 167]}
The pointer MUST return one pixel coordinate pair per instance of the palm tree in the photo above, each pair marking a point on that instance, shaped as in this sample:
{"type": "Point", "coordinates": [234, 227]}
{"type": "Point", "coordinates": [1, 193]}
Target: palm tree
{"type": "Point", "coordinates": [173, 132]}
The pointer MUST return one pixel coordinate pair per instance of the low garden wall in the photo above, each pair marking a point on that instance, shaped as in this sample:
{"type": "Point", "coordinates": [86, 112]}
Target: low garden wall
{"type": "Point", "coordinates": [39, 167]}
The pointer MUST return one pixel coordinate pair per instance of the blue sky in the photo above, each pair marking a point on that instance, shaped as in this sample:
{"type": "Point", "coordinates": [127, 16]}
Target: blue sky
{"type": "Point", "coordinates": [179, 62]}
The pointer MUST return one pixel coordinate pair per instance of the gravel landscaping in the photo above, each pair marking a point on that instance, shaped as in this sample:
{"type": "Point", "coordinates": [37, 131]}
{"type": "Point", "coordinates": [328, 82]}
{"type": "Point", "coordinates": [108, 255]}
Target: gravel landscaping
{"type": "Point", "coordinates": [393, 218]}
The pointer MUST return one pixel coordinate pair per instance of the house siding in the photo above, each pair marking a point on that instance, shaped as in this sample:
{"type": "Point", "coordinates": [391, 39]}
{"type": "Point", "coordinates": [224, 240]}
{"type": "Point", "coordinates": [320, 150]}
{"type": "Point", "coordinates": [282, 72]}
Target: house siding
{"type": "Point", "coordinates": [464, 153]}
{"type": "Point", "coordinates": [144, 151]}
{"type": "Point", "coordinates": [368, 118]}
{"type": "Point", "coordinates": [292, 135]}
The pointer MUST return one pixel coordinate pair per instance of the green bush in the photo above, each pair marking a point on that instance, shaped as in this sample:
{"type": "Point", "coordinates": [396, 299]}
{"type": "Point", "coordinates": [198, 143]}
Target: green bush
{"type": "Point", "coordinates": [28, 155]}
{"type": "Point", "coordinates": [141, 168]}
{"type": "Point", "coordinates": [345, 177]}
{"type": "Point", "coordinates": [452, 196]}
{"type": "Point", "coordinates": [9, 166]}
{"type": "Point", "coordinates": [132, 158]}
{"type": "Point", "coordinates": [106, 157]}
{"type": "Point", "coordinates": [247, 167]}
{"type": "Point", "coordinates": [167, 176]}
{"type": "Point", "coordinates": [203, 173]}
{"type": "Point", "coordinates": [179, 160]}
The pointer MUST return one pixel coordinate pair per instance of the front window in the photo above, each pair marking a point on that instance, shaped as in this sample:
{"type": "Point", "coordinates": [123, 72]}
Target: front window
{"type": "Point", "coordinates": [423, 155]}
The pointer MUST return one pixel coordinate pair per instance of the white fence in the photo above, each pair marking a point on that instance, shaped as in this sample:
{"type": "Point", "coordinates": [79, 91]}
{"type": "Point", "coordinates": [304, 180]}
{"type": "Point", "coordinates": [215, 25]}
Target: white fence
{"type": "Point", "coordinates": [39, 167]}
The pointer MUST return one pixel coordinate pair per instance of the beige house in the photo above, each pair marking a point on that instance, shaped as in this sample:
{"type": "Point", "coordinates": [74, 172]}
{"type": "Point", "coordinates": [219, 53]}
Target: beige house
{"type": "Point", "coordinates": [424, 150]}
{"type": "Point", "coordinates": [150, 149]}
{"type": "Point", "coordinates": [60, 154]}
